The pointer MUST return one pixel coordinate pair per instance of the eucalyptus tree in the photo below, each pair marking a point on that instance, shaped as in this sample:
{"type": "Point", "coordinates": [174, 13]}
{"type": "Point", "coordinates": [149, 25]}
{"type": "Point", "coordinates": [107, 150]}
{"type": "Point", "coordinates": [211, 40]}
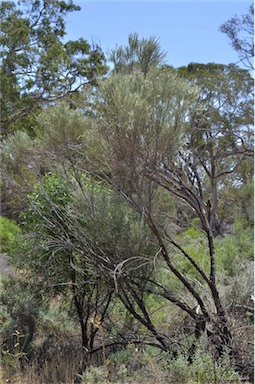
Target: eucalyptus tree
{"type": "Point", "coordinates": [240, 31]}
{"type": "Point", "coordinates": [37, 66]}
{"type": "Point", "coordinates": [220, 136]}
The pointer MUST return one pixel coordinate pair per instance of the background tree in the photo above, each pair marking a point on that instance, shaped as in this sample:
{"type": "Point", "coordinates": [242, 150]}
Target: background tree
{"type": "Point", "coordinates": [240, 31]}
{"type": "Point", "coordinates": [220, 138]}
{"type": "Point", "coordinates": [37, 67]}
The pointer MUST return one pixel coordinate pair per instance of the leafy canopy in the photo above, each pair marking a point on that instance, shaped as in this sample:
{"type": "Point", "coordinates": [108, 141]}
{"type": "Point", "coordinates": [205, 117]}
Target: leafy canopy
{"type": "Point", "coordinates": [37, 66]}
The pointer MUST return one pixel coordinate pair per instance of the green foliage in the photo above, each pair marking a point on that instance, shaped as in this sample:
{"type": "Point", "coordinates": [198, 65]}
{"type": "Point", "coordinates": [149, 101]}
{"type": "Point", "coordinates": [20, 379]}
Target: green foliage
{"type": "Point", "coordinates": [138, 55]}
{"type": "Point", "coordinates": [20, 169]}
{"type": "Point", "coordinates": [194, 242]}
{"type": "Point", "coordinates": [147, 366]}
{"type": "Point", "coordinates": [33, 251]}
{"type": "Point", "coordinates": [233, 249]}
{"type": "Point", "coordinates": [21, 302]}
{"type": "Point", "coordinates": [191, 233]}
{"type": "Point", "coordinates": [9, 231]}
{"type": "Point", "coordinates": [225, 114]}
{"type": "Point", "coordinates": [219, 134]}
{"type": "Point", "coordinates": [36, 65]}
{"type": "Point", "coordinates": [59, 128]}
{"type": "Point", "coordinates": [245, 198]}
{"type": "Point", "coordinates": [17, 153]}
{"type": "Point", "coordinates": [129, 357]}
{"type": "Point", "coordinates": [93, 375]}
{"type": "Point", "coordinates": [229, 250]}
{"type": "Point", "coordinates": [57, 318]}
{"type": "Point", "coordinates": [99, 375]}
{"type": "Point", "coordinates": [137, 104]}
{"type": "Point", "coordinates": [140, 121]}
{"type": "Point", "coordinates": [236, 290]}
{"type": "Point", "coordinates": [203, 370]}
{"type": "Point", "coordinates": [43, 202]}
{"type": "Point", "coordinates": [55, 188]}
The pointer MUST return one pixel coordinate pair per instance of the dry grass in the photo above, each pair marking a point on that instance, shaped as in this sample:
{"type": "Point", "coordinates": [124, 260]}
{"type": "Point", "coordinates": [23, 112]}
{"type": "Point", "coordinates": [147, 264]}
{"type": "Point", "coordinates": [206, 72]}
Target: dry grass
{"type": "Point", "coordinates": [58, 364]}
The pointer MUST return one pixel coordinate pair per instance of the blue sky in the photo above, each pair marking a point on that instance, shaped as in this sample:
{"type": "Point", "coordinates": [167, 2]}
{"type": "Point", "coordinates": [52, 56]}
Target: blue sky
{"type": "Point", "coordinates": [187, 30]}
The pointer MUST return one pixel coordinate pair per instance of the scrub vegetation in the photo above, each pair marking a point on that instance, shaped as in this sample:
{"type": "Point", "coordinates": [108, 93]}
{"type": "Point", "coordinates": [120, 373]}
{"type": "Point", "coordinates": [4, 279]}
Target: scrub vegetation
{"type": "Point", "coordinates": [127, 209]}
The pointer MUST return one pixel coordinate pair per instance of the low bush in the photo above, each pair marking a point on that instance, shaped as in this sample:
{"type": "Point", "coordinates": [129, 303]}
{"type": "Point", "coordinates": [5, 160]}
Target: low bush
{"type": "Point", "coordinates": [9, 231]}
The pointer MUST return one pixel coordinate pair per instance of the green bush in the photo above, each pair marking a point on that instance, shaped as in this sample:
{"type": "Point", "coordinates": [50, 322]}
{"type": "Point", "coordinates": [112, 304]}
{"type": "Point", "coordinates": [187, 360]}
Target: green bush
{"type": "Point", "coordinates": [229, 250]}
{"type": "Point", "coordinates": [203, 370]}
{"type": "Point", "coordinates": [42, 203]}
{"type": "Point", "coordinates": [20, 304]}
{"type": "Point", "coordinates": [9, 231]}
{"type": "Point", "coordinates": [234, 248]}
{"type": "Point", "coordinates": [149, 366]}
{"type": "Point", "coordinates": [94, 375]}
{"type": "Point", "coordinates": [194, 242]}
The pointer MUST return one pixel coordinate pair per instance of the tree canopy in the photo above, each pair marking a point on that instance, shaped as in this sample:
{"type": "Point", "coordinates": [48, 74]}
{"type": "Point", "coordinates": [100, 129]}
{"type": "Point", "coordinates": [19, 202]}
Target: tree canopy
{"type": "Point", "coordinates": [240, 31]}
{"type": "Point", "coordinates": [37, 66]}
